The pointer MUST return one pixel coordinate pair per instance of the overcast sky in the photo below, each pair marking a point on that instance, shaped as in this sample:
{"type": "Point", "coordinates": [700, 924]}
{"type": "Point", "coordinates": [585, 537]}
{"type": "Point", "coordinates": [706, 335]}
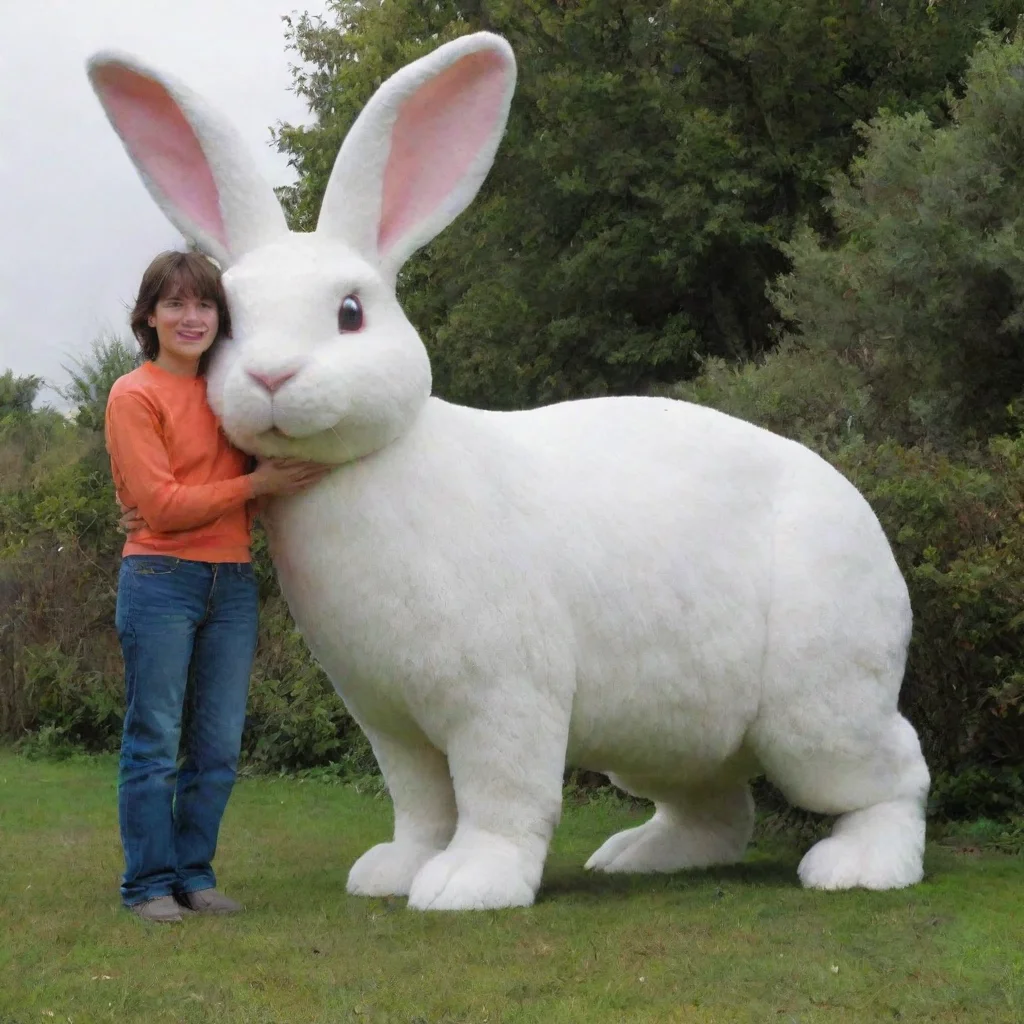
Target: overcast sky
{"type": "Point", "coordinates": [77, 226]}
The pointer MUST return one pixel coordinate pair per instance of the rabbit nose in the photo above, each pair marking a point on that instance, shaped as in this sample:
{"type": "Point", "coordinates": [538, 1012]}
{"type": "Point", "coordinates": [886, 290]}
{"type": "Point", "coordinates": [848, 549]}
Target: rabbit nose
{"type": "Point", "coordinates": [271, 381]}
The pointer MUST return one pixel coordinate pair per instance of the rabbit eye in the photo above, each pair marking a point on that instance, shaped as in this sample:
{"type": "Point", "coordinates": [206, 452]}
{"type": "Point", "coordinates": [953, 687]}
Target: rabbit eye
{"type": "Point", "coordinates": [350, 314]}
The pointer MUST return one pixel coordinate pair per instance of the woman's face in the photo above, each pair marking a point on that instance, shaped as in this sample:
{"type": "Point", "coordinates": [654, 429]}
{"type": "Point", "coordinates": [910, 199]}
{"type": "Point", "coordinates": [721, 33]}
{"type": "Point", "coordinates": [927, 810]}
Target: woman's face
{"type": "Point", "coordinates": [186, 326]}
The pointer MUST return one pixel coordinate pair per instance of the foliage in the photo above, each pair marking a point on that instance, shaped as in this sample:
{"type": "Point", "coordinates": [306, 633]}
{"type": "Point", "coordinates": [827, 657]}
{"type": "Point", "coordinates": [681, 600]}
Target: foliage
{"type": "Point", "coordinates": [818, 399]}
{"type": "Point", "coordinates": [988, 834]}
{"type": "Point", "coordinates": [924, 295]}
{"type": "Point", "coordinates": [294, 718]}
{"type": "Point", "coordinates": [17, 394]}
{"type": "Point", "coordinates": [657, 158]}
{"type": "Point", "coordinates": [59, 661]}
{"type": "Point", "coordinates": [93, 377]}
{"type": "Point", "coordinates": [957, 529]}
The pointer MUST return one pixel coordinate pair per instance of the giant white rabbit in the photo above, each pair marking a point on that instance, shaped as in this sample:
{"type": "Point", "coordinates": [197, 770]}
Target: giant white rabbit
{"type": "Point", "coordinates": [638, 586]}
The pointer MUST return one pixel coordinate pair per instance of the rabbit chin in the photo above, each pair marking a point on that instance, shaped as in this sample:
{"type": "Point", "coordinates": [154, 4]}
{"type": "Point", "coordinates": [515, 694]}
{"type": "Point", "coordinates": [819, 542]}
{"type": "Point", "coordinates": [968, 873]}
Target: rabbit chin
{"type": "Point", "coordinates": [335, 444]}
{"type": "Point", "coordinates": [322, 447]}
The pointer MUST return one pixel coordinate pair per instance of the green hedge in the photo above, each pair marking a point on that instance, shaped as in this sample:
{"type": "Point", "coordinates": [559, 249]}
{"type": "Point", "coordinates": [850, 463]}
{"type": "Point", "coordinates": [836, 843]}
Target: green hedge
{"type": "Point", "coordinates": [957, 528]}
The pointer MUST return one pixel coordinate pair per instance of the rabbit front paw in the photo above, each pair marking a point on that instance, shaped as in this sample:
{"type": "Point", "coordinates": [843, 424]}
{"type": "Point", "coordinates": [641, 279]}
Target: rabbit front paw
{"type": "Point", "coordinates": [477, 877]}
{"type": "Point", "coordinates": [388, 869]}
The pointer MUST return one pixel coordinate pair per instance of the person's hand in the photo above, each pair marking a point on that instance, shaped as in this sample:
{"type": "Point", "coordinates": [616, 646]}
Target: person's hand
{"type": "Point", "coordinates": [130, 520]}
{"type": "Point", "coordinates": [286, 476]}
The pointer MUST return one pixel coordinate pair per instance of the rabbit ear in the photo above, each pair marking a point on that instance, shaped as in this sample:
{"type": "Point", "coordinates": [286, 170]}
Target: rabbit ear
{"type": "Point", "coordinates": [418, 153]}
{"type": "Point", "coordinates": [191, 159]}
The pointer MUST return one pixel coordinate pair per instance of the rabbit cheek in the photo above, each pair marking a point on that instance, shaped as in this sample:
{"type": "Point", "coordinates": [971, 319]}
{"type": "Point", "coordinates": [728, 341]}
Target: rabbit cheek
{"type": "Point", "coordinates": [216, 375]}
{"type": "Point", "coordinates": [244, 413]}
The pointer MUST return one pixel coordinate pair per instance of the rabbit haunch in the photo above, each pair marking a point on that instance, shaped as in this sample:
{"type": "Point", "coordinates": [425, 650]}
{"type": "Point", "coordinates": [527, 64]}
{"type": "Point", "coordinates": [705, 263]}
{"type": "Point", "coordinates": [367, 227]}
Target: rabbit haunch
{"type": "Point", "coordinates": [638, 586]}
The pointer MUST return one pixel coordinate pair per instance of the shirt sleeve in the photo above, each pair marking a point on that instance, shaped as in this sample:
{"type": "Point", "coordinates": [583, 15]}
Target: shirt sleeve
{"type": "Point", "coordinates": [136, 445]}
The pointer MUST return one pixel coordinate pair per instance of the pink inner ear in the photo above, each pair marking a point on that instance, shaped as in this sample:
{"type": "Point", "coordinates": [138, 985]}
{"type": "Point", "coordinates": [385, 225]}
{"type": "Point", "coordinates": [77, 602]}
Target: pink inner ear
{"type": "Point", "coordinates": [438, 133]}
{"type": "Point", "coordinates": [163, 145]}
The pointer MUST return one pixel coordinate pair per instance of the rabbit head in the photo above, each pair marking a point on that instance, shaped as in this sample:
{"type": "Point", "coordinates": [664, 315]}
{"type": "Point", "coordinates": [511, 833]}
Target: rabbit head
{"type": "Point", "coordinates": [322, 363]}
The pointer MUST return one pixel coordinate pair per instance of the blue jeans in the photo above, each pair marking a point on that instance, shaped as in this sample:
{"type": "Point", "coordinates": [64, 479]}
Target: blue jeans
{"type": "Point", "coordinates": [185, 628]}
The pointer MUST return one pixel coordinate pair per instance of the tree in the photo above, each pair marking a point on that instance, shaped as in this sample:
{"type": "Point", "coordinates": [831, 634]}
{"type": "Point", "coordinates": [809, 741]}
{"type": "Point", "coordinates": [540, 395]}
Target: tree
{"type": "Point", "coordinates": [657, 159]}
{"type": "Point", "coordinates": [17, 393]}
{"type": "Point", "coordinates": [923, 292]}
{"type": "Point", "coordinates": [92, 379]}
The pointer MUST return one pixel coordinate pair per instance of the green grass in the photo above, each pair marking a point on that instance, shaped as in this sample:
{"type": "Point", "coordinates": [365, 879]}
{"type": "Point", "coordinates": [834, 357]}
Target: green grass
{"type": "Point", "coordinates": [740, 944]}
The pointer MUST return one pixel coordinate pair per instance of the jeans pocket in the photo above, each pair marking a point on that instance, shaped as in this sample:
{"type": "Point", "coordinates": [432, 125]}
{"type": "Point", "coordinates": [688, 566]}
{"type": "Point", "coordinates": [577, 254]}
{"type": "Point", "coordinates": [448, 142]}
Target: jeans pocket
{"type": "Point", "coordinates": [153, 565]}
{"type": "Point", "coordinates": [123, 608]}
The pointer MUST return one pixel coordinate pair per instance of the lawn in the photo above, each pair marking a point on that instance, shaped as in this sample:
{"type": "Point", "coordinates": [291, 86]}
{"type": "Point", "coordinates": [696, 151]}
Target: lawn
{"type": "Point", "coordinates": [740, 944]}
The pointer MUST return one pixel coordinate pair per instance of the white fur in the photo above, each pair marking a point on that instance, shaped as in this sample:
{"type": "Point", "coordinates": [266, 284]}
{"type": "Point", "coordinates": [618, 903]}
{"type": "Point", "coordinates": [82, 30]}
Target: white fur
{"type": "Point", "coordinates": [251, 211]}
{"type": "Point", "coordinates": [632, 585]}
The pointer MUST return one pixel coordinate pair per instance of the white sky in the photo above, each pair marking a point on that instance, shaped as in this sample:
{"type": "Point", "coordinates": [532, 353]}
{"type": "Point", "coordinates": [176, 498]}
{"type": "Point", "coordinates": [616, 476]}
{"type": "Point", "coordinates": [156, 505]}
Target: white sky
{"type": "Point", "coordinates": [78, 227]}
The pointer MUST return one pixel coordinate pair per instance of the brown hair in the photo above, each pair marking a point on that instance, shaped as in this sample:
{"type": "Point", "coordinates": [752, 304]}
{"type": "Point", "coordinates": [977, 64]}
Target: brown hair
{"type": "Point", "coordinates": [188, 274]}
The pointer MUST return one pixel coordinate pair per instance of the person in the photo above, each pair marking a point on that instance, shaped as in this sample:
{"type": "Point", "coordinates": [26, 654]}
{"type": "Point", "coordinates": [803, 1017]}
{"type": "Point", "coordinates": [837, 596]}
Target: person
{"type": "Point", "coordinates": [186, 611]}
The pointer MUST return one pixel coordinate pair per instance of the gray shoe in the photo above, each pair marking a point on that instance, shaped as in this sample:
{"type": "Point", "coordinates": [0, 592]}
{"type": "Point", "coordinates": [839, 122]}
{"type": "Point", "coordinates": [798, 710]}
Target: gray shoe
{"type": "Point", "coordinates": [209, 901]}
{"type": "Point", "coordinates": [162, 909]}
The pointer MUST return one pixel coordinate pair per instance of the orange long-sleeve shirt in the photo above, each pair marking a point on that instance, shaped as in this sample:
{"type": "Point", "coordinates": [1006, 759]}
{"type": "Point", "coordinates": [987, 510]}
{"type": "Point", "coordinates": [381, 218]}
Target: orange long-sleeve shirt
{"type": "Point", "coordinates": [171, 460]}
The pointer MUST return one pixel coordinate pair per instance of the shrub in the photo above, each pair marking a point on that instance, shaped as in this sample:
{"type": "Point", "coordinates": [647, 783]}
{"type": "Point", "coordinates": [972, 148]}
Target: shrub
{"type": "Point", "coordinates": [58, 656]}
{"type": "Point", "coordinates": [91, 379]}
{"type": "Point", "coordinates": [924, 292]}
{"type": "Point", "coordinates": [61, 675]}
{"type": "Point", "coordinates": [957, 529]}
{"type": "Point", "coordinates": [296, 720]}
{"type": "Point", "coordinates": [816, 398]}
